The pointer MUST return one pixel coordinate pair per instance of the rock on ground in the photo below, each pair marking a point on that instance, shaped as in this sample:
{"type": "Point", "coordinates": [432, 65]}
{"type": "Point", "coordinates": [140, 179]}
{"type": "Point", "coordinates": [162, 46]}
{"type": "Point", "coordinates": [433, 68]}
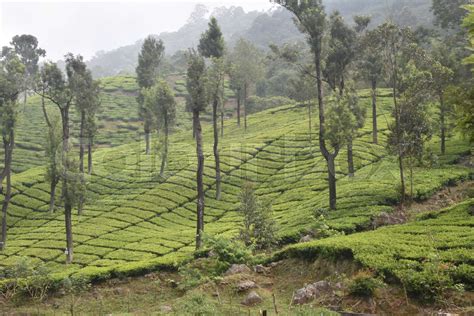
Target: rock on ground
{"type": "Point", "coordinates": [309, 292]}
{"type": "Point", "coordinates": [252, 299]}
{"type": "Point", "coordinates": [246, 285]}
{"type": "Point", "coordinates": [237, 269]}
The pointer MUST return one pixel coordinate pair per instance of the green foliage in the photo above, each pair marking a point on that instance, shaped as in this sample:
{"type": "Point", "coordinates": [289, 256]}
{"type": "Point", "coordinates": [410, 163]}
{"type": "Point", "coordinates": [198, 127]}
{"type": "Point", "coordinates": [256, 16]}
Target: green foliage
{"type": "Point", "coordinates": [26, 278]}
{"type": "Point", "coordinates": [259, 227]}
{"type": "Point", "coordinates": [449, 13]}
{"type": "Point", "coordinates": [211, 43]}
{"type": "Point", "coordinates": [364, 284]}
{"type": "Point", "coordinates": [423, 255]}
{"type": "Point", "coordinates": [196, 83]}
{"type": "Point", "coordinates": [227, 251]}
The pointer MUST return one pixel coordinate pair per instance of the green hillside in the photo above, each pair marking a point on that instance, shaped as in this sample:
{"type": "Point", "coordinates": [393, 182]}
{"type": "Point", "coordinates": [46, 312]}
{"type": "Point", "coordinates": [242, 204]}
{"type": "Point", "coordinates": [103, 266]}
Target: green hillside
{"type": "Point", "coordinates": [422, 254]}
{"type": "Point", "coordinates": [135, 221]}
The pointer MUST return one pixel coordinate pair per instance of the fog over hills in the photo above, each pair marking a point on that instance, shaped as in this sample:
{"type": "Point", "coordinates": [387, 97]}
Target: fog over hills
{"type": "Point", "coordinates": [261, 28]}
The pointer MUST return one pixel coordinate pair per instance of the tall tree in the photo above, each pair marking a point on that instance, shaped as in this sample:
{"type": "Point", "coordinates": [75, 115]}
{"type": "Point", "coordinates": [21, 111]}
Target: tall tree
{"type": "Point", "coordinates": [196, 102]}
{"type": "Point", "coordinates": [160, 101]}
{"type": "Point", "coordinates": [341, 52]}
{"type": "Point", "coordinates": [26, 47]}
{"type": "Point", "coordinates": [370, 67]}
{"type": "Point", "coordinates": [53, 157]}
{"type": "Point", "coordinates": [86, 95]}
{"type": "Point", "coordinates": [247, 69]}
{"type": "Point", "coordinates": [393, 41]}
{"type": "Point", "coordinates": [59, 90]}
{"type": "Point", "coordinates": [211, 45]}
{"type": "Point", "coordinates": [408, 138]}
{"type": "Point", "coordinates": [11, 75]}
{"type": "Point", "coordinates": [442, 76]}
{"type": "Point", "coordinates": [149, 60]}
{"type": "Point", "coordinates": [311, 20]}
{"type": "Point", "coordinates": [357, 122]}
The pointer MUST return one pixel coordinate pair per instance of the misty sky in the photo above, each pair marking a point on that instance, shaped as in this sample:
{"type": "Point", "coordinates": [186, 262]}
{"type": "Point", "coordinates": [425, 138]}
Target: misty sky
{"type": "Point", "coordinates": [87, 27]}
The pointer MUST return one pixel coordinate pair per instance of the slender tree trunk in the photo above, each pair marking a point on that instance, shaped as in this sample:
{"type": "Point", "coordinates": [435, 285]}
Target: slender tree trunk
{"type": "Point", "coordinates": [67, 200]}
{"type": "Point", "coordinates": [332, 182]}
{"type": "Point", "coordinates": [147, 137]}
{"type": "Point", "coordinates": [443, 124]}
{"type": "Point", "coordinates": [45, 113]}
{"type": "Point", "coordinates": [222, 106]}
{"type": "Point", "coordinates": [239, 97]}
{"type": "Point", "coordinates": [81, 158]}
{"type": "Point", "coordinates": [81, 141]}
{"type": "Point", "coordinates": [52, 195]}
{"type": "Point", "coordinates": [245, 106]}
{"type": "Point", "coordinates": [199, 180]}
{"type": "Point", "coordinates": [8, 148]}
{"type": "Point", "coordinates": [164, 159]}
{"type": "Point", "coordinates": [89, 156]}
{"type": "Point", "coordinates": [222, 123]}
{"type": "Point", "coordinates": [350, 157]}
{"type": "Point", "coordinates": [374, 112]}
{"type": "Point", "coordinates": [310, 121]}
{"type": "Point", "coordinates": [322, 142]}
{"type": "Point", "coordinates": [398, 133]}
{"type": "Point", "coordinates": [411, 180]}
{"type": "Point", "coordinates": [216, 149]}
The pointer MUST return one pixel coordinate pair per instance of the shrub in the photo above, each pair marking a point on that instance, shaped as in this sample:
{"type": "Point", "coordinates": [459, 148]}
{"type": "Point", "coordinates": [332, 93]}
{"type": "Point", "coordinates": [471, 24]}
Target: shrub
{"type": "Point", "coordinates": [430, 283]}
{"type": "Point", "coordinates": [259, 226]}
{"type": "Point", "coordinates": [364, 284]}
{"type": "Point", "coordinates": [227, 251]}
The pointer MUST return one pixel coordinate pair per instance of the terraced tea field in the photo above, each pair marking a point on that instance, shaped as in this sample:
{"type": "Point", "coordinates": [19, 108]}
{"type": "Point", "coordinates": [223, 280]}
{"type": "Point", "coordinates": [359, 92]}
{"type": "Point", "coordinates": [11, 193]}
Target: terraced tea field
{"type": "Point", "coordinates": [439, 244]}
{"type": "Point", "coordinates": [135, 221]}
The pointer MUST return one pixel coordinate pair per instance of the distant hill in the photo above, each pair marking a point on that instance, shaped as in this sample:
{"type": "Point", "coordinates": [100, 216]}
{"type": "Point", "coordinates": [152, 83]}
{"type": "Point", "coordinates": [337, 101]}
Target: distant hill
{"type": "Point", "coordinates": [261, 28]}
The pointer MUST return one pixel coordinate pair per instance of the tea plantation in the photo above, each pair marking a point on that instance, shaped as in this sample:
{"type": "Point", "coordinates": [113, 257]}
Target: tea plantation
{"type": "Point", "coordinates": [135, 221]}
{"type": "Point", "coordinates": [423, 254]}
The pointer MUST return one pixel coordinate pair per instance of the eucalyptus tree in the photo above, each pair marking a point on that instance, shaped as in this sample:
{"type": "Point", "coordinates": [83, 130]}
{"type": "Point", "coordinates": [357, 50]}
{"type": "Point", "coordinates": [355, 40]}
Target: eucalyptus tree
{"type": "Point", "coordinates": [393, 42]}
{"type": "Point", "coordinates": [87, 101]}
{"type": "Point", "coordinates": [341, 52]}
{"type": "Point", "coordinates": [160, 101]}
{"type": "Point", "coordinates": [11, 79]}
{"type": "Point", "coordinates": [442, 76]}
{"type": "Point", "coordinates": [149, 60]}
{"type": "Point", "coordinates": [53, 157]}
{"type": "Point", "coordinates": [211, 45]}
{"type": "Point", "coordinates": [59, 89]}
{"type": "Point", "coordinates": [413, 130]}
{"type": "Point", "coordinates": [26, 47]}
{"type": "Point", "coordinates": [370, 67]}
{"type": "Point", "coordinates": [311, 20]}
{"type": "Point", "coordinates": [246, 70]}
{"type": "Point", "coordinates": [344, 116]}
{"type": "Point", "coordinates": [196, 103]}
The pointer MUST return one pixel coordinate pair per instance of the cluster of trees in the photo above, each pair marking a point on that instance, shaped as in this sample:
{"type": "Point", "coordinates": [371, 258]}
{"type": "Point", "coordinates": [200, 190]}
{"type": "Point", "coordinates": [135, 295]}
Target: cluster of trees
{"type": "Point", "coordinates": [408, 62]}
{"type": "Point", "coordinates": [20, 73]}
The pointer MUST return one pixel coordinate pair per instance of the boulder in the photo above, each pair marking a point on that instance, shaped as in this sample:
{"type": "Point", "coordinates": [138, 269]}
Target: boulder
{"type": "Point", "coordinates": [237, 269]}
{"type": "Point", "coordinates": [260, 269]}
{"type": "Point", "coordinates": [246, 285]}
{"type": "Point", "coordinates": [309, 292]}
{"type": "Point", "coordinates": [252, 299]}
